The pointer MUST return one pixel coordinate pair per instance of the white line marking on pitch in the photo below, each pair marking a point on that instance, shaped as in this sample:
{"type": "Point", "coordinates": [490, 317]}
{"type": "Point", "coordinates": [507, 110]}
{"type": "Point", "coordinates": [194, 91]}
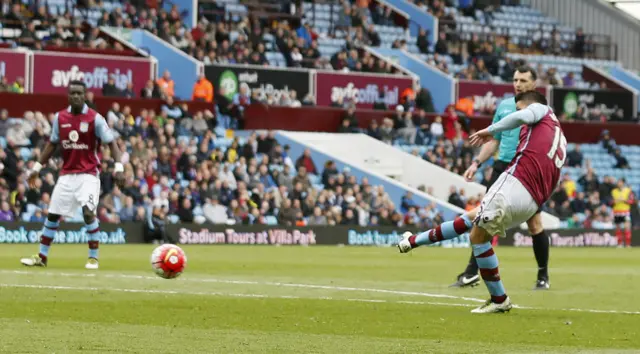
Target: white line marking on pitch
{"type": "Point", "coordinates": [264, 296]}
{"type": "Point", "coordinates": [248, 282]}
{"type": "Point", "coordinates": [199, 293]}
{"type": "Point", "coordinates": [312, 286]}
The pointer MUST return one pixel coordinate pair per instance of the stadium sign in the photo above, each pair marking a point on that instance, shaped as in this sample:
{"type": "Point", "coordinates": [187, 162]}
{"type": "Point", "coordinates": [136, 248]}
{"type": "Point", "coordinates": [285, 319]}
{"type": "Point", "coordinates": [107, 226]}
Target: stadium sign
{"type": "Point", "coordinates": [241, 235]}
{"type": "Point", "coordinates": [29, 232]}
{"type": "Point", "coordinates": [300, 236]}
{"type": "Point", "coordinates": [362, 89]}
{"type": "Point", "coordinates": [569, 238]}
{"type": "Point", "coordinates": [486, 95]}
{"type": "Point", "coordinates": [266, 81]}
{"type": "Point", "coordinates": [592, 104]}
{"type": "Point", "coordinates": [52, 71]}
{"type": "Point", "coordinates": [14, 64]}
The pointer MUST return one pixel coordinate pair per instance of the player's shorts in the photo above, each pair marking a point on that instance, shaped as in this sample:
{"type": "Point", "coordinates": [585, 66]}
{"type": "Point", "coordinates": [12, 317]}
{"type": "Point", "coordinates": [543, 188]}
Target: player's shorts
{"type": "Point", "coordinates": [498, 167]}
{"type": "Point", "coordinates": [507, 204]}
{"type": "Point", "coordinates": [621, 218]}
{"type": "Point", "coordinates": [74, 191]}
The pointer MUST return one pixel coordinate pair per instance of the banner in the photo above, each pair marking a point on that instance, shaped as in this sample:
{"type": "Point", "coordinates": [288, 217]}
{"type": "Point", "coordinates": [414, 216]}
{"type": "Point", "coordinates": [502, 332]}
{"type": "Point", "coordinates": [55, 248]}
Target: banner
{"type": "Point", "coordinates": [592, 104]}
{"type": "Point", "coordinates": [13, 64]}
{"type": "Point", "coordinates": [363, 89]}
{"type": "Point", "coordinates": [486, 95]}
{"type": "Point", "coordinates": [295, 236]}
{"type": "Point", "coordinates": [569, 238]}
{"type": "Point", "coordinates": [29, 232]}
{"type": "Point", "coordinates": [268, 81]}
{"type": "Point", "coordinates": [52, 71]}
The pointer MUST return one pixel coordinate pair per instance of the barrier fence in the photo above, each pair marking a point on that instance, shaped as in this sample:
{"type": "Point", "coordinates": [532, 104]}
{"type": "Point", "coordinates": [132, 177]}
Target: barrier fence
{"type": "Point", "coordinates": [206, 234]}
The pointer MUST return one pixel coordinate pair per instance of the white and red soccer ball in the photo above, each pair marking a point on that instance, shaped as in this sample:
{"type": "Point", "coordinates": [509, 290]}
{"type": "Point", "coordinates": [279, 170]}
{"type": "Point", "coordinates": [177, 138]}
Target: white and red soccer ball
{"type": "Point", "coordinates": [168, 261]}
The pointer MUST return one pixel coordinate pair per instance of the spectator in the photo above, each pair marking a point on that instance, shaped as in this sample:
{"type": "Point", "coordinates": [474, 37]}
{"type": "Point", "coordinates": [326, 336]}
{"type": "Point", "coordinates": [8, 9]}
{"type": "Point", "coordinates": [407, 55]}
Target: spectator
{"type": "Point", "coordinates": [307, 162]}
{"type": "Point", "coordinates": [575, 157]}
{"type": "Point", "coordinates": [166, 84]}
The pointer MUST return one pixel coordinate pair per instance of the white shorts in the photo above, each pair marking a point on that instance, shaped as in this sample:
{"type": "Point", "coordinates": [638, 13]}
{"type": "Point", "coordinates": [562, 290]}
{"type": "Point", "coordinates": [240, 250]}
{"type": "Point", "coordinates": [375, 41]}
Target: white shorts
{"type": "Point", "coordinates": [75, 191]}
{"type": "Point", "coordinates": [507, 204]}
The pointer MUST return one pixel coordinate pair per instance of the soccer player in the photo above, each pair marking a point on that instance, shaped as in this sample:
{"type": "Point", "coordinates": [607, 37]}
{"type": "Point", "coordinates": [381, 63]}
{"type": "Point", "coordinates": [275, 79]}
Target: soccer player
{"type": "Point", "coordinates": [622, 200]}
{"type": "Point", "coordinates": [79, 130]}
{"type": "Point", "coordinates": [515, 197]}
{"type": "Point", "coordinates": [524, 79]}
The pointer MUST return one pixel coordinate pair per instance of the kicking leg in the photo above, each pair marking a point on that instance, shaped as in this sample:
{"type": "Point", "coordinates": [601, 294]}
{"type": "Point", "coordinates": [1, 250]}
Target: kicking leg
{"type": "Point", "coordinates": [446, 231]}
{"type": "Point", "coordinates": [488, 265]}
{"type": "Point", "coordinates": [48, 234]}
{"type": "Point", "coordinates": [540, 250]}
{"type": "Point", "coordinates": [93, 232]}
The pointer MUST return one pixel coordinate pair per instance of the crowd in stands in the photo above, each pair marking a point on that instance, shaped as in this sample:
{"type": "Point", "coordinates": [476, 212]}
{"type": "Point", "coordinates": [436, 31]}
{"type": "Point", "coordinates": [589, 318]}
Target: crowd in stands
{"type": "Point", "coordinates": [177, 169]}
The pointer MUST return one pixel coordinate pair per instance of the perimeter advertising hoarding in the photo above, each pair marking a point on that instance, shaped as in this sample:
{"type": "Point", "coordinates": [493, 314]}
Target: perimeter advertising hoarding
{"type": "Point", "coordinates": [52, 71]}
{"type": "Point", "coordinates": [300, 236]}
{"type": "Point", "coordinates": [29, 232]}
{"type": "Point", "coordinates": [486, 95]}
{"type": "Point", "coordinates": [362, 89]}
{"type": "Point", "coordinates": [569, 238]}
{"type": "Point", "coordinates": [14, 64]}
{"type": "Point", "coordinates": [269, 81]}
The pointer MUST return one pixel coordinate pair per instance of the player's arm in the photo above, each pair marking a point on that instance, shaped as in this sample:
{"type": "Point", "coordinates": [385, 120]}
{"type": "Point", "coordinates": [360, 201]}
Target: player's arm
{"type": "Point", "coordinates": [104, 133]}
{"type": "Point", "coordinates": [530, 115]}
{"type": "Point", "coordinates": [47, 152]}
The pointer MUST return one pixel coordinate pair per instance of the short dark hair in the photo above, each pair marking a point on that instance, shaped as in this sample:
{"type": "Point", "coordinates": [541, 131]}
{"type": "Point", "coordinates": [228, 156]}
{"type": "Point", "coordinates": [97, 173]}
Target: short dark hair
{"type": "Point", "coordinates": [532, 96]}
{"type": "Point", "coordinates": [78, 83]}
{"type": "Point", "coordinates": [523, 69]}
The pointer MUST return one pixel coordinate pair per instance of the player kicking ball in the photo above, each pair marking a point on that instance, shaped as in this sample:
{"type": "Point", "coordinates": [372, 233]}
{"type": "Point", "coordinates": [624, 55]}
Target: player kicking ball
{"type": "Point", "coordinates": [516, 196]}
{"type": "Point", "coordinates": [78, 130]}
{"type": "Point", "coordinates": [506, 143]}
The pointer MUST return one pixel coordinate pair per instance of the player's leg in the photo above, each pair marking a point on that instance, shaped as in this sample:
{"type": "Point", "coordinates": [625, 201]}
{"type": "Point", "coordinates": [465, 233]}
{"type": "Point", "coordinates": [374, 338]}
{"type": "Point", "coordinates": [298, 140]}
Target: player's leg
{"type": "Point", "coordinates": [49, 230]}
{"type": "Point", "coordinates": [489, 270]}
{"type": "Point", "coordinates": [540, 250]}
{"type": "Point", "coordinates": [93, 232]}
{"type": "Point", "coordinates": [627, 230]}
{"type": "Point", "coordinates": [445, 231]}
{"type": "Point", "coordinates": [63, 203]}
{"type": "Point", "coordinates": [88, 195]}
{"type": "Point", "coordinates": [619, 221]}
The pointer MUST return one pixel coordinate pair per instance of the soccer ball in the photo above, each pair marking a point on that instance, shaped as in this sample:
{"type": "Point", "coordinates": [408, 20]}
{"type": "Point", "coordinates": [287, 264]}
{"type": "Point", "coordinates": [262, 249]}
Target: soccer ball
{"type": "Point", "coordinates": [168, 261]}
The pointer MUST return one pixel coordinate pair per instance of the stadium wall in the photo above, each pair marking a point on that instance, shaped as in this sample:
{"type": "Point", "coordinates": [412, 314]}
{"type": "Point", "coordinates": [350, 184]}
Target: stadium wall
{"type": "Point", "coordinates": [183, 68]}
{"type": "Point", "coordinates": [327, 119]}
{"type": "Point", "coordinates": [441, 86]}
{"type": "Point", "coordinates": [628, 78]}
{"type": "Point", "coordinates": [598, 17]}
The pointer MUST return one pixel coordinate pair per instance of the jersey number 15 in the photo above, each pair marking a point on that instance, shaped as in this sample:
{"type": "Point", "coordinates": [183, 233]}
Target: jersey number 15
{"type": "Point", "coordinates": [559, 143]}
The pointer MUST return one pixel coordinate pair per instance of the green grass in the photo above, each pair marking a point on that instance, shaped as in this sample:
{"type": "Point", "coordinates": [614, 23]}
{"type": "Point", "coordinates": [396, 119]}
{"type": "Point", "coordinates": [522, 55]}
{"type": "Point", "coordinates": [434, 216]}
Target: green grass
{"type": "Point", "coordinates": [314, 300]}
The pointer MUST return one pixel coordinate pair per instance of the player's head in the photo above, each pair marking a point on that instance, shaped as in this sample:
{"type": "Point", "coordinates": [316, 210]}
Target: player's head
{"type": "Point", "coordinates": [524, 99]}
{"type": "Point", "coordinates": [621, 183]}
{"type": "Point", "coordinates": [524, 79]}
{"type": "Point", "coordinates": [77, 94]}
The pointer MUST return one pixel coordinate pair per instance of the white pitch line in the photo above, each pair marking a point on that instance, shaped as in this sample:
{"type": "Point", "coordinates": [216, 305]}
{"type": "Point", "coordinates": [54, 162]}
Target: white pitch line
{"type": "Point", "coordinates": [248, 282]}
{"type": "Point", "coordinates": [311, 286]}
{"type": "Point", "coordinates": [200, 293]}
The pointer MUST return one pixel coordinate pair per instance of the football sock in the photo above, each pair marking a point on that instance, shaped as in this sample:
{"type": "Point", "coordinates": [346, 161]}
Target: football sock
{"type": "Point", "coordinates": [627, 236]}
{"type": "Point", "coordinates": [541, 251]}
{"type": "Point", "coordinates": [445, 231]}
{"type": "Point", "coordinates": [472, 267]}
{"type": "Point", "coordinates": [48, 234]}
{"type": "Point", "coordinates": [619, 236]}
{"type": "Point", "coordinates": [93, 233]}
{"type": "Point", "coordinates": [488, 265]}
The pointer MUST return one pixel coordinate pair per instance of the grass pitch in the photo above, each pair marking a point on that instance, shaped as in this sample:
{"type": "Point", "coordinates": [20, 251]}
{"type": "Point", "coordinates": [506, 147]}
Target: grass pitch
{"type": "Point", "coordinates": [264, 299]}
